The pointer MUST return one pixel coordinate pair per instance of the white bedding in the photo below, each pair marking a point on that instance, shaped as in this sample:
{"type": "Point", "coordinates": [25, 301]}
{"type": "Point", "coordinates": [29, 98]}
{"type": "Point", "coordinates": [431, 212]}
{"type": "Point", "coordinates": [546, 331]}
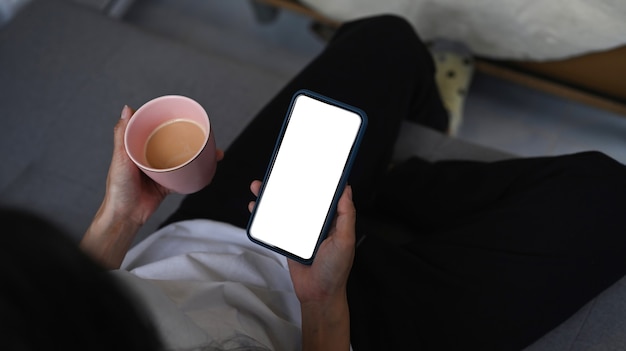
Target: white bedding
{"type": "Point", "coordinates": [508, 29]}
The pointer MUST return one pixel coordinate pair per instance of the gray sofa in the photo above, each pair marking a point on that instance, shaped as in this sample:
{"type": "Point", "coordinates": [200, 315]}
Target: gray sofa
{"type": "Point", "coordinates": [66, 70]}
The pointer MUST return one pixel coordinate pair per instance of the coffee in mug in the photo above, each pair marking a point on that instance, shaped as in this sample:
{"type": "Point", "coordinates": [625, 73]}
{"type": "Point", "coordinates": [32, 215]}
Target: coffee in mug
{"type": "Point", "coordinates": [171, 140]}
{"type": "Point", "coordinates": [173, 143]}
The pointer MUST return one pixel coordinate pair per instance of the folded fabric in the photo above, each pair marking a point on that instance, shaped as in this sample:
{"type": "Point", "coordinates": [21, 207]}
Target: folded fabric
{"type": "Point", "coordinates": [507, 29]}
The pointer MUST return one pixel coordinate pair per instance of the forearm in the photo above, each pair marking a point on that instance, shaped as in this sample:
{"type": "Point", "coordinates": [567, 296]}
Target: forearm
{"type": "Point", "coordinates": [326, 325]}
{"type": "Point", "coordinates": [109, 237]}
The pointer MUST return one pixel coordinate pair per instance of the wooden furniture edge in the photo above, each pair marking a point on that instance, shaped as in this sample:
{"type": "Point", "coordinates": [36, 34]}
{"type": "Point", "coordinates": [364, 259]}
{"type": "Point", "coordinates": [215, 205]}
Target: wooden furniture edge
{"type": "Point", "coordinates": [550, 86]}
{"type": "Point", "coordinates": [501, 71]}
{"type": "Point", "coordinates": [302, 9]}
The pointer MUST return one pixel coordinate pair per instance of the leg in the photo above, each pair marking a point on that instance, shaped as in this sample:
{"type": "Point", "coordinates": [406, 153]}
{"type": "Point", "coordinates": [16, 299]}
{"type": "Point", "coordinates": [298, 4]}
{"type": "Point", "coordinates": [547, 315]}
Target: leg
{"type": "Point", "coordinates": [378, 65]}
{"type": "Point", "coordinates": [501, 254]}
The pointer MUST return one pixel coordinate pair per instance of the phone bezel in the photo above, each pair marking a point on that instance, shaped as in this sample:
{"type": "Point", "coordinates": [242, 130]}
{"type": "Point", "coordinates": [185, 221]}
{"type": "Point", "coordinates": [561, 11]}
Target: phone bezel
{"type": "Point", "coordinates": [340, 185]}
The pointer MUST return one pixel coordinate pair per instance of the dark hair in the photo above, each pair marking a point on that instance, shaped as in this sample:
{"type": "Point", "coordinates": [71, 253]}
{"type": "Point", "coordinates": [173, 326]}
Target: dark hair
{"type": "Point", "coordinates": [53, 296]}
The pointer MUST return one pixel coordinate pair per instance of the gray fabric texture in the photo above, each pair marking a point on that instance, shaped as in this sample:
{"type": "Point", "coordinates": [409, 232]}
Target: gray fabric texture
{"type": "Point", "coordinates": [66, 71]}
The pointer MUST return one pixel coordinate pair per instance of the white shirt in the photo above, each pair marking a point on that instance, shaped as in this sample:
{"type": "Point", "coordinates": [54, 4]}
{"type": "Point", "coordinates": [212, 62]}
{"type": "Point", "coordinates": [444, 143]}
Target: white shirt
{"type": "Point", "coordinates": [206, 284]}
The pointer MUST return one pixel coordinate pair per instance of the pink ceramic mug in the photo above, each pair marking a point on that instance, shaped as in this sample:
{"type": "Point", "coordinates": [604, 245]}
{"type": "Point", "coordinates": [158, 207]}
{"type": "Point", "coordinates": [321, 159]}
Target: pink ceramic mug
{"type": "Point", "coordinates": [171, 140]}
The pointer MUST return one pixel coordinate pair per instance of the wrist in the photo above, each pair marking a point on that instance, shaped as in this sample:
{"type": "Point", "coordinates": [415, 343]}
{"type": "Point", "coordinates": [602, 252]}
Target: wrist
{"type": "Point", "coordinates": [326, 323]}
{"type": "Point", "coordinates": [109, 236]}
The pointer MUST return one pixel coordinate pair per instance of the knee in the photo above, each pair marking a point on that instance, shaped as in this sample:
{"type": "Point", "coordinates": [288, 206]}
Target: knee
{"type": "Point", "coordinates": [597, 159]}
{"type": "Point", "coordinates": [388, 32]}
{"type": "Point", "coordinates": [387, 25]}
{"type": "Point", "coordinates": [391, 22]}
{"type": "Point", "coordinates": [597, 165]}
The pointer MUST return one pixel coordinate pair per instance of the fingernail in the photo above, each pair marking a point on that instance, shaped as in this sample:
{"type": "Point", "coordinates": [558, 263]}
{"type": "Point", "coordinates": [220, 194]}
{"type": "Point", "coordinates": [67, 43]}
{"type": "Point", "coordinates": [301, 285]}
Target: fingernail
{"type": "Point", "coordinates": [125, 112]}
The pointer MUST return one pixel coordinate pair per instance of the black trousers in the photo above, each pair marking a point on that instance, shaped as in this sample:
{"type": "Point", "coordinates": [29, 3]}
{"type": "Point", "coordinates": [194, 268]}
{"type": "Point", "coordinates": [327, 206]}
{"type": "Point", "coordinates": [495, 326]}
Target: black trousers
{"type": "Point", "coordinates": [455, 254]}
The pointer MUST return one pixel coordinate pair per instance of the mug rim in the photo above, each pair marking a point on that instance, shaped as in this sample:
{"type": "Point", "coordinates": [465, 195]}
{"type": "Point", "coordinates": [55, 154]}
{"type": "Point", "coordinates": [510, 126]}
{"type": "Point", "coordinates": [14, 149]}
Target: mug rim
{"type": "Point", "coordinates": [207, 134]}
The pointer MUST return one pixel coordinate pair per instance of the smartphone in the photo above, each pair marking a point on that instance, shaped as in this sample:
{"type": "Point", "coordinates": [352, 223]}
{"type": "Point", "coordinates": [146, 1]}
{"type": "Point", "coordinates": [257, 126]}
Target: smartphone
{"type": "Point", "coordinates": [306, 176]}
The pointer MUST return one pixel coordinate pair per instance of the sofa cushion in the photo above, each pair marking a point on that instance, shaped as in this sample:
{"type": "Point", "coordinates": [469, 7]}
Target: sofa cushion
{"type": "Point", "coordinates": [66, 72]}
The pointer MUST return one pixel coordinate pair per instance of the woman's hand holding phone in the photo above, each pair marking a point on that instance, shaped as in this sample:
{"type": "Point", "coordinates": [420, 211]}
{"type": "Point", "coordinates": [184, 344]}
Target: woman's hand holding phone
{"type": "Point", "coordinates": [326, 276]}
{"type": "Point", "coordinates": [304, 211]}
{"type": "Point", "coordinates": [321, 286]}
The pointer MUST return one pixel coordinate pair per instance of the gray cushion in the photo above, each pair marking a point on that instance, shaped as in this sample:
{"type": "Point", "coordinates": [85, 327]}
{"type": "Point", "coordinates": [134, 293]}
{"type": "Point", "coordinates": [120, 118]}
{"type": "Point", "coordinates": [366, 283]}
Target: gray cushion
{"type": "Point", "coordinates": [66, 71]}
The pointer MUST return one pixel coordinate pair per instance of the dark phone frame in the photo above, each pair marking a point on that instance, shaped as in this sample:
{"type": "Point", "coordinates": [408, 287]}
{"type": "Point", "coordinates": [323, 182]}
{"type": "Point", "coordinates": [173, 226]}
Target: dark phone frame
{"type": "Point", "coordinates": [332, 209]}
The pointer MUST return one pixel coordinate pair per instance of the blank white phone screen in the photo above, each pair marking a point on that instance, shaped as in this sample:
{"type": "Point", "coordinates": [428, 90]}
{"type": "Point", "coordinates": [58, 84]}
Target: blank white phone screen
{"type": "Point", "coordinates": [311, 159]}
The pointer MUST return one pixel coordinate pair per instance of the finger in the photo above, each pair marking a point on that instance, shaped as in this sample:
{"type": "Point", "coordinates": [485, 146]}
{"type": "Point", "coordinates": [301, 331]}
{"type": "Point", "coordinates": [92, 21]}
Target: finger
{"type": "Point", "coordinates": [120, 127]}
{"type": "Point", "coordinates": [219, 154]}
{"type": "Point", "coordinates": [346, 217]}
{"type": "Point", "coordinates": [345, 205]}
{"type": "Point", "coordinates": [255, 187]}
{"type": "Point", "coordinates": [251, 205]}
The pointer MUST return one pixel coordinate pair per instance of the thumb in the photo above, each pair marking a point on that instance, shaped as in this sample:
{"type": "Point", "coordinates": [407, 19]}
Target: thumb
{"type": "Point", "coordinates": [345, 207]}
{"type": "Point", "coordinates": [120, 127]}
{"type": "Point", "coordinates": [346, 216]}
